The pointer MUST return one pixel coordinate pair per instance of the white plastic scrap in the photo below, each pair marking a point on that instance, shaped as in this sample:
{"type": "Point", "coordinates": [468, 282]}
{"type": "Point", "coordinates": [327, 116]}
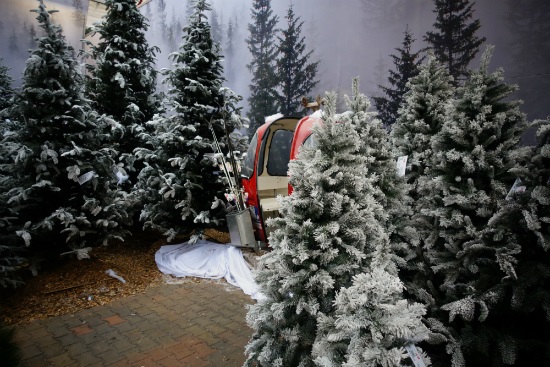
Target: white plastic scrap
{"type": "Point", "coordinates": [112, 273]}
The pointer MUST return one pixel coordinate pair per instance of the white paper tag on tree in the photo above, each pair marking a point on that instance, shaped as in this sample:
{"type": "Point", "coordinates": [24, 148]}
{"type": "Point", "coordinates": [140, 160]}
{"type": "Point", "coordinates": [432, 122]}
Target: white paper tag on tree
{"type": "Point", "coordinates": [86, 177]}
{"type": "Point", "coordinates": [415, 356]}
{"type": "Point", "coordinates": [401, 165]}
{"type": "Point", "coordinates": [517, 187]}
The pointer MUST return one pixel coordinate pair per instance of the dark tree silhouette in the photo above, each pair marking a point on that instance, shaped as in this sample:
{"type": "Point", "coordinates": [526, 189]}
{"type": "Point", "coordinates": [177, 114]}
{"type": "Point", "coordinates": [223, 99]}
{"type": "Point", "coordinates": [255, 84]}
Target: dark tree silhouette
{"type": "Point", "coordinates": [406, 65]}
{"type": "Point", "coordinates": [454, 41]}
{"type": "Point", "coordinates": [261, 44]}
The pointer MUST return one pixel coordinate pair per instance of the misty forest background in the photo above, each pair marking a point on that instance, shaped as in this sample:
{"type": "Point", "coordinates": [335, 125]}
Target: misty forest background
{"type": "Point", "coordinates": [348, 40]}
{"type": "Point", "coordinates": [453, 257]}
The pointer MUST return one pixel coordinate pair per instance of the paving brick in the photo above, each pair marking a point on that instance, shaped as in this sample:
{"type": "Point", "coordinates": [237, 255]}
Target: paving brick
{"type": "Point", "coordinates": [82, 329]}
{"type": "Point", "coordinates": [103, 328]}
{"type": "Point", "coordinates": [111, 356]}
{"type": "Point", "coordinates": [89, 359]}
{"type": "Point", "coordinates": [53, 351]}
{"type": "Point", "coordinates": [68, 339]}
{"type": "Point", "coordinates": [192, 361]}
{"type": "Point", "coordinates": [61, 360]}
{"type": "Point", "coordinates": [37, 361]}
{"type": "Point", "coordinates": [122, 345]}
{"type": "Point", "coordinates": [169, 362]}
{"type": "Point", "coordinates": [195, 324]}
{"type": "Point", "coordinates": [114, 320]}
{"type": "Point", "coordinates": [145, 344]}
{"type": "Point", "coordinates": [77, 349]}
{"type": "Point", "coordinates": [30, 351]}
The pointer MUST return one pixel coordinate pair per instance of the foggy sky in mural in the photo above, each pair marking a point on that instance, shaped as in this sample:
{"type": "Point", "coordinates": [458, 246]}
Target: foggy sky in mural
{"type": "Point", "coordinates": [351, 38]}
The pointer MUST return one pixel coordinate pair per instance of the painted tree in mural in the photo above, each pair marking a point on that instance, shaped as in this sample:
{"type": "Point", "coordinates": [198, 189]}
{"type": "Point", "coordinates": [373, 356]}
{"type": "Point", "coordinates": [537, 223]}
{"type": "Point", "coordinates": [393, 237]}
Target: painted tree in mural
{"type": "Point", "coordinates": [79, 17]}
{"type": "Point", "coordinates": [406, 64]}
{"type": "Point", "coordinates": [122, 80]}
{"type": "Point", "coordinates": [454, 40]}
{"type": "Point", "coordinates": [181, 184]}
{"type": "Point", "coordinates": [216, 23]}
{"type": "Point", "coordinates": [62, 171]}
{"type": "Point", "coordinates": [6, 89]}
{"type": "Point", "coordinates": [229, 51]}
{"type": "Point", "coordinates": [530, 51]}
{"type": "Point", "coordinates": [261, 44]}
{"type": "Point", "coordinates": [296, 74]}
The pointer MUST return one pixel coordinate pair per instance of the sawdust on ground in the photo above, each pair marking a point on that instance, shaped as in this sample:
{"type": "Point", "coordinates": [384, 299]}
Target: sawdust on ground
{"type": "Point", "coordinates": [71, 285]}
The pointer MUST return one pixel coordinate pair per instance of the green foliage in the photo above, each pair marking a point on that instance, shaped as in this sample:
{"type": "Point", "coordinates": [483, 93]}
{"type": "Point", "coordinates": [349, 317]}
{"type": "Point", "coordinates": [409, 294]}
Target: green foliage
{"type": "Point", "coordinates": [330, 231]}
{"type": "Point", "coordinates": [57, 140]}
{"type": "Point", "coordinates": [420, 118]}
{"type": "Point", "coordinates": [520, 233]}
{"type": "Point", "coordinates": [181, 184]}
{"type": "Point", "coordinates": [469, 174]}
{"type": "Point", "coordinates": [296, 75]}
{"type": "Point", "coordinates": [261, 44]}
{"type": "Point", "coordinates": [389, 190]}
{"type": "Point", "coordinates": [6, 90]}
{"type": "Point", "coordinates": [407, 66]}
{"type": "Point", "coordinates": [454, 40]}
{"type": "Point", "coordinates": [122, 80]}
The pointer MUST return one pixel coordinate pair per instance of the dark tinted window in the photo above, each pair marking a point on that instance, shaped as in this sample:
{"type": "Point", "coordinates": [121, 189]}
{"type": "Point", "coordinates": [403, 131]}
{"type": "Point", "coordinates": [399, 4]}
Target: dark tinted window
{"type": "Point", "coordinates": [279, 153]}
{"type": "Point", "coordinates": [248, 164]}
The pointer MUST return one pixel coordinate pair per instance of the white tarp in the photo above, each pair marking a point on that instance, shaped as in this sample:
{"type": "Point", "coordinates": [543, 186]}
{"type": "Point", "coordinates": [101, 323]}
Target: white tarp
{"type": "Point", "coordinates": [208, 260]}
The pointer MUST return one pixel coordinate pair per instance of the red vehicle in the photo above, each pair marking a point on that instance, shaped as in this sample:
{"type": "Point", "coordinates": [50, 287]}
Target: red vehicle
{"type": "Point", "coordinates": [264, 174]}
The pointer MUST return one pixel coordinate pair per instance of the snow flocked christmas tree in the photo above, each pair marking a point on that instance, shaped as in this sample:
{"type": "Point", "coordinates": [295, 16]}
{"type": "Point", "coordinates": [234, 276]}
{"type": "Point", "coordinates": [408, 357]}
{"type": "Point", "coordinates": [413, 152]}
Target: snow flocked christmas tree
{"type": "Point", "coordinates": [389, 188]}
{"type": "Point", "coordinates": [330, 255]}
{"type": "Point", "coordinates": [181, 184]}
{"type": "Point", "coordinates": [63, 172]}
{"type": "Point", "coordinates": [474, 156]}
{"type": "Point", "coordinates": [6, 90]}
{"type": "Point", "coordinates": [520, 233]}
{"type": "Point", "coordinates": [122, 80]}
{"type": "Point", "coordinates": [420, 118]}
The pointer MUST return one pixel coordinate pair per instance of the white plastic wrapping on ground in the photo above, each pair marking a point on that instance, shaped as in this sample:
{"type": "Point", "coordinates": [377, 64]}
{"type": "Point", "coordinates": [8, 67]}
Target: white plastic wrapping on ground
{"type": "Point", "coordinates": [208, 260]}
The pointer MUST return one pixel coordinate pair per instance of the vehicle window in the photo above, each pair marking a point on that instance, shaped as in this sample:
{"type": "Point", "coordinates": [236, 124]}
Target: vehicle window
{"type": "Point", "coordinates": [248, 164]}
{"type": "Point", "coordinates": [279, 153]}
{"type": "Point", "coordinates": [310, 142]}
{"type": "Point", "coordinates": [262, 153]}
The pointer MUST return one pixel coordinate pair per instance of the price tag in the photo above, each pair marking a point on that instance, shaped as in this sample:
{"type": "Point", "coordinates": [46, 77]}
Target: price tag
{"type": "Point", "coordinates": [401, 165]}
{"type": "Point", "coordinates": [517, 187]}
{"type": "Point", "coordinates": [415, 356]}
{"type": "Point", "coordinates": [86, 177]}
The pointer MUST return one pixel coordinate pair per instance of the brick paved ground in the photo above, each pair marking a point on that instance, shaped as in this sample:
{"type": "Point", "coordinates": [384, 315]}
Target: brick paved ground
{"type": "Point", "coordinates": [191, 324]}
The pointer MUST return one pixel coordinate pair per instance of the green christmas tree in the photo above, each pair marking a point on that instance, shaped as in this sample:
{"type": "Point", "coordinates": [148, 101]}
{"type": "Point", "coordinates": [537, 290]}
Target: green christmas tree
{"type": "Point", "coordinates": [473, 155]}
{"type": "Point", "coordinates": [6, 90]}
{"type": "Point", "coordinates": [520, 233]}
{"type": "Point", "coordinates": [63, 171]}
{"type": "Point", "coordinates": [329, 232]}
{"type": "Point", "coordinates": [421, 118]}
{"type": "Point", "coordinates": [181, 184]}
{"type": "Point", "coordinates": [122, 80]}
